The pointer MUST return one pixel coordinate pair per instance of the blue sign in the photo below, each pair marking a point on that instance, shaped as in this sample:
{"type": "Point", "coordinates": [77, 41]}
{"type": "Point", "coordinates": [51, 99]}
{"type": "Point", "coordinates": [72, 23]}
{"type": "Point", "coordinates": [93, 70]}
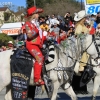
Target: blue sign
{"type": "Point", "coordinates": [92, 8]}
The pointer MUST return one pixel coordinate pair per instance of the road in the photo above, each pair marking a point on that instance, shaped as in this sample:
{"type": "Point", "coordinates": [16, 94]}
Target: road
{"type": "Point", "coordinates": [62, 95]}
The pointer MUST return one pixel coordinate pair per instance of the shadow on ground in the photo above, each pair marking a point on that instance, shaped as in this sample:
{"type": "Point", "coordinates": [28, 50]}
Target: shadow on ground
{"type": "Point", "coordinates": [63, 96]}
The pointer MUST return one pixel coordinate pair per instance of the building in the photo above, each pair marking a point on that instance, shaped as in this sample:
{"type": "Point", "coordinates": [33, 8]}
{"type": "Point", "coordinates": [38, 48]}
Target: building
{"type": "Point", "coordinates": [6, 15]}
{"type": "Point", "coordinates": [19, 16]}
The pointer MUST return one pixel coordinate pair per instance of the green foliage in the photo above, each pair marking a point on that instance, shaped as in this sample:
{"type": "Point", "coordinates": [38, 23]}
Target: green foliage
{"type": "Point", "coordinates": [40, 3]}
{"type": "Point", "coordinates": [50, 5]}
{"type": "Point", "coordinates": [6, 16]}
{"type": "Point", "coordinates": [65, 44]}
{"type": "Point", "coordinates": [81, 36]}
{"type": "Point", "coordinates": [4, 39]}
{"type": "Point", "coordinates": [29, 3]}
{"type": "Point", "coordinates": [49, 1]}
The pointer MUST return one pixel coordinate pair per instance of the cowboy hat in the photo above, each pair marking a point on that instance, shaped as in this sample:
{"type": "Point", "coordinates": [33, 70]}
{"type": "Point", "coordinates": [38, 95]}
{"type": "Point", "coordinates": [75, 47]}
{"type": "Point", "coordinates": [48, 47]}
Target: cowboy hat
{"type": "Point", "coordinates": [10, 42]}
{"type": "Point", "coordinates": [80, 15]}
{"type": "Point", "coordinates": [33, 10]}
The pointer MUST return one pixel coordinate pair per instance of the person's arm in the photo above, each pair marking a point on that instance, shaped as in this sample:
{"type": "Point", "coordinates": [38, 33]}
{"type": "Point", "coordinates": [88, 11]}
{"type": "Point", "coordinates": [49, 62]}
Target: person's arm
{"type": "Point", "coordinates": [28, 31]}
{"type": "Point", "coordinates": [65, 15]}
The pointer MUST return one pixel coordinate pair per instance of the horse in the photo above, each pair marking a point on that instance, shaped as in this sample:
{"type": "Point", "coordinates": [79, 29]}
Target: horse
{"type": "Point", "coordinates": [90, 44]}
{"type": "Point", "coordinates": [57, 76]}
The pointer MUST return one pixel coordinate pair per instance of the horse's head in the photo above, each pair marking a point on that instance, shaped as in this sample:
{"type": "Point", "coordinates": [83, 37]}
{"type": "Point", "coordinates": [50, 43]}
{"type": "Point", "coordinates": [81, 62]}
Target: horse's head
{"type": "Point", "coordinates": [86, 44]}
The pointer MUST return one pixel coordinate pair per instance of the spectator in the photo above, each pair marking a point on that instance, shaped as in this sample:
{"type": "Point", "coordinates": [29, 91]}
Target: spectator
{"type": "Point", "coordinates": [10, 45]}
{"type": "Point", "coordinates": [91, 28]}
{"type": "Point", "coordinates": [98, 18]}
{"type": "Point", "coordinates": [4, 48]}
{"type": "Point", "coordinates": [68, 18]}
{"type": "Point", "coordinates": [66, 28]}
{"type": "Point", "coordinates": [44, 27]}
{"type": "Point", "coordinates": [21, 35]}
{"type": "Point", "coordinates": [70, 32]}
{"type": "Point", "coordinates": [67, 15]}
{"type": "Point", "coordinates": [62, 36]}
{"type": "Point", "coordinates": [61, 24]}
{"type": "Point", "coordinates": [56, 30]}
{"type": "Point", "coordinates": [53, 20]}
{"type": "Point", "coordinates": [41, 20]}
{"type": "Point", "coordinates": [93, 18]}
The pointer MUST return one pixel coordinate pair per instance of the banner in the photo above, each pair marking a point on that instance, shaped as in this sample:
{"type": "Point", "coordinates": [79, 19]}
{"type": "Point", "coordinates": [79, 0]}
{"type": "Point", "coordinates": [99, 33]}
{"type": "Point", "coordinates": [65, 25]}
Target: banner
{"type": "Point", "coordinates": [10, 31]}
{"type": "Point", "coordinates": [21, 69]}
{"type": "Point", "coordinates": [92, 6]}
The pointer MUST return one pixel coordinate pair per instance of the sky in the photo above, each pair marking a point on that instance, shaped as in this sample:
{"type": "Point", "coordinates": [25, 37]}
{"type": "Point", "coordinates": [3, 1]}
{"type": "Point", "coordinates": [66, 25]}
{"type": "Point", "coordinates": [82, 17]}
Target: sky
{"type": "Point", "coordinates": [13, 2]}
{"type": "Point", "coordinates": [17, 2]}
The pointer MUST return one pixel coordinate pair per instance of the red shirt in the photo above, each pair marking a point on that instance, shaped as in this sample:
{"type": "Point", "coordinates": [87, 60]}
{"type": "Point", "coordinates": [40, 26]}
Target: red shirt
{"type": "Point", "coordinates": [92, 31]}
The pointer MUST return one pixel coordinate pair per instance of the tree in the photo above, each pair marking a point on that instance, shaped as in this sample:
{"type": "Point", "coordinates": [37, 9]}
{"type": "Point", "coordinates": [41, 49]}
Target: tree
{"type": "Point", "coordinates": [12, 7]}
{"type": "Point", "coordinates": [40, 3]}
{"type": "Point", "coordinates": [29, 3]}
{"type": "Point", "coordinates": [6, 16]}
{"type": "Point", "coordinates": [22, 9]}
{"type": "Point", "coordinates": [4, 39]}
{"type": "Point", "coordinates": [49, 1]}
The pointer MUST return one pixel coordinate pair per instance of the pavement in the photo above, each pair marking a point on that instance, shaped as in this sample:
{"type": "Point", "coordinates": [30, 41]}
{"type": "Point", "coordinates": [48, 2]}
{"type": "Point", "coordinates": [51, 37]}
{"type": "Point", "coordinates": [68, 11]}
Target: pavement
{"type": "Point", "coordinates": [62, 95]}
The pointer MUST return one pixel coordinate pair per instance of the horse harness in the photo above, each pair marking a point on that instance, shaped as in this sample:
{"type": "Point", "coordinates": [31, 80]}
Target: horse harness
{"type": "Point", "coordinates": [96, 45]}
{"type": "Point", "coordinates": [97, 48]}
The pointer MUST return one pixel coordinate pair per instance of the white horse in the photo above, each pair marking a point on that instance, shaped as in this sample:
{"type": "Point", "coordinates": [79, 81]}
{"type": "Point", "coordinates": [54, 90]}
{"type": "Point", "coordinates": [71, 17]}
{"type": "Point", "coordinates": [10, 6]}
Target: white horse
{"type": "Point", "coordinates": [5, 75]}
{"type": "Point", "coordinates": [89, 46]}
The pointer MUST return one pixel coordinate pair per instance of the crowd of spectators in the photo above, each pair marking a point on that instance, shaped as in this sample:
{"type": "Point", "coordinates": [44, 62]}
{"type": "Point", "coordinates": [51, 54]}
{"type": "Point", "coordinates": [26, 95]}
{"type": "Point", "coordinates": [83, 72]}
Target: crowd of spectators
{"type": "Point", "coordinates": [59, 28]}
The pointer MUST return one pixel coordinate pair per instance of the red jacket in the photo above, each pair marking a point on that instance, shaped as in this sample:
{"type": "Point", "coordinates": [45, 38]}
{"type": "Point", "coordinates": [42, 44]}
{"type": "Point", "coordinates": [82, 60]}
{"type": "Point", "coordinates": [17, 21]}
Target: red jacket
{"type": "Point", "coordinates": [37, 40]}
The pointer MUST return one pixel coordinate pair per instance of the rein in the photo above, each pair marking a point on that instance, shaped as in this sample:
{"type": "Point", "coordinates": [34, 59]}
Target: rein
{"type": "Point", "coordinates": [63, 68]}
{"type": "Point", "coordinates": [87, 47]}
{"type": "Point", "coordinates": [93, 39]}
{"type": "Point", "coordinates": [73, 58]}
{"type": "Point", "coordinates": [96, 46]}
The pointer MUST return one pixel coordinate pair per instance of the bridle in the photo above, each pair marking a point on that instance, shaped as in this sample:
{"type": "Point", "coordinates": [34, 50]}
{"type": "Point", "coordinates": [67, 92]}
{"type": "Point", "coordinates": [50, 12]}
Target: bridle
{"type": "Point", "coordinates": [96, 46]}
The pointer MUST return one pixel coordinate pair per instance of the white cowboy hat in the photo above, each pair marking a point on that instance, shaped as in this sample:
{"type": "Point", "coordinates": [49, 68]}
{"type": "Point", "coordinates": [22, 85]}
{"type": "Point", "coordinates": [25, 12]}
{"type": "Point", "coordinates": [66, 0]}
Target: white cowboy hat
{"type": "Point", "coordinates": [78, 16]}
{"type": "Point", "coordinates": [10, 42]}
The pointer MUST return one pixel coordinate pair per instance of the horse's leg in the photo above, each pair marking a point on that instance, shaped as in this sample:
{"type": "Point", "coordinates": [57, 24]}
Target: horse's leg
{"type": "Point", "coordinates": [8, 95]}
{"type": "Point", "coordinates": [5, 79]}
{"type": "Point", "coordinates": [69, 91]}
{"type": "Point", "coordinates": [55, 90]}
{"type": "Point", "coordinates": [96, 87]}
